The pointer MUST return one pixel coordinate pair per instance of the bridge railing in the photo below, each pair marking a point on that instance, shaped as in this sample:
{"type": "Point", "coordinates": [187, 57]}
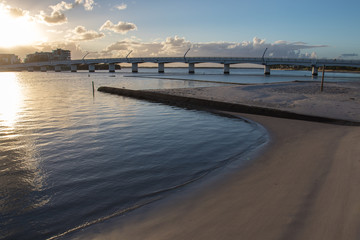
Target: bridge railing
{"type": "Point", "coordinates": [220, 60]}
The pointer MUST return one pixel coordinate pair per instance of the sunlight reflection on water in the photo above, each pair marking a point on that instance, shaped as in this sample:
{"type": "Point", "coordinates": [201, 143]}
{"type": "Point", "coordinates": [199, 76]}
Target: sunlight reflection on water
{"type": "Point", "coordinates": [11, 99]}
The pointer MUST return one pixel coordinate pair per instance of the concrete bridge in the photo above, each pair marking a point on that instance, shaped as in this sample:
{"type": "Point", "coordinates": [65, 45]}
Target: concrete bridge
{"type": "Point", "coordinates": [191, 61]}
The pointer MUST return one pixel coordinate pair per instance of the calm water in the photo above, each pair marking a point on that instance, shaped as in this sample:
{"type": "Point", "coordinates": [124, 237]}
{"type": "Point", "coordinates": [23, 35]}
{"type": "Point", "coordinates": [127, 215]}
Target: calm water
{"type": "Point", "coordinates": [248, 76]}
{"type": "Point", "coordinates": [69, 159]}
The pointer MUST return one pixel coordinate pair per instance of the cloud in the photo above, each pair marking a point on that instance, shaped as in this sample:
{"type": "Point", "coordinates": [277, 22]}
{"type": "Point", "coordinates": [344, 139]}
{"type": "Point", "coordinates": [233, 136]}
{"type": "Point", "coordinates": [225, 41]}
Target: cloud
{"type": "Point", "coordinates": [123, 6]}
{"type": "Point", "coordinates": [76, 51]}
{"type": "Point", "coordinates": [177, 46]}
{"type": "Point", "coordinates": [88, 4]}
{"type": "Point", "coordinates": [62, 6]}
{"type": "Point", "coordinates": [22, 51]}
{"type": "Point", "coordinates": [120, 27]}
{"type": "Point", "coordinates": [55, 31]}
{"type": "Point", "coordinates": [174, 45]}
{"type": "Point", "coordinates": [80, 33]}
{"type": "Point", "coordinates": [17, 12]}
{"type": "Point", "coordinates": [122, 48]}
{"type": "Point", "coordinates": [13, 11]}
{"type": "Point", "coordinates": [57, 16]}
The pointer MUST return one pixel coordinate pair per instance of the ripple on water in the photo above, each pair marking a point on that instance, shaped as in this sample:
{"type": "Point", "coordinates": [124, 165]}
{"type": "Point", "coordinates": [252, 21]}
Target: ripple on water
{"type": "Point", "coordinates": [70, 160]}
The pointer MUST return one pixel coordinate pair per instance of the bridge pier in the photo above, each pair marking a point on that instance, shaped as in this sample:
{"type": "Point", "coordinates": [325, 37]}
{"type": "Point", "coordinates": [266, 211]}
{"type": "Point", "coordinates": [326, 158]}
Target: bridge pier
{"type": "Point", "coordinates": [191, 67]}
{"type": "Point", "coordinates": [43, 68]}
{"type": "Point", "coordinates": [57, 68]}
{"type": "Point", "coordinates": [134, 67]}
{"type": "Point", "coordinates": [161, 67]}
{"type": "Point", "coordinates": [91, 68]}
{"type": "Point", "coordinates": [111, 67]}
{"type": "Point", "coordinates": [267, 70]}
{"type": "Point", "coordinates": [30, 69]}
{"type": "Point", "coordinates": [314, 70]}
{"type": "Point", "coordinates": [73, 68]}
{"type": "Point", "coordinates": [226, 68]}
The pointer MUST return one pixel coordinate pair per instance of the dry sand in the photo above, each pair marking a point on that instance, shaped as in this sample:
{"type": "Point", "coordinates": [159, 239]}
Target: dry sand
{"type": "Point", "coordinates": [305, 185]}
{"type": "Point", "coordinates": [338, 100]}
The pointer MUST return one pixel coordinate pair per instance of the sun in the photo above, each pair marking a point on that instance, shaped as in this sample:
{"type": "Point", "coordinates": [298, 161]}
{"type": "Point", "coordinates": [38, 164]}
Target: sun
{"type": "Point", "coordinates": [17, 31]}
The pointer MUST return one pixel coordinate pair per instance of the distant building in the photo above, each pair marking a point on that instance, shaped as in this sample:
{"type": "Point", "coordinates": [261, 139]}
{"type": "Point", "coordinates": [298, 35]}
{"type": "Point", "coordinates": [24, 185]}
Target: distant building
{"type": "Point", "coordinates": [37, 57]}
{"type": "Point", "coordinates": [9, 59]}
{"type": "Point", "coordinates": [60, 55]}
{"type": "Point", "coordinates": [55, 55]}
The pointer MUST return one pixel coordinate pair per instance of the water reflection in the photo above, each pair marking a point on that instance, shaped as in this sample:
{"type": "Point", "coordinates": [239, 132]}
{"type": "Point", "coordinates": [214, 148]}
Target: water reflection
{"type": "Point", "coordinates": [10, 99]}
{"type": "Point", "coordinates": [21, 176]}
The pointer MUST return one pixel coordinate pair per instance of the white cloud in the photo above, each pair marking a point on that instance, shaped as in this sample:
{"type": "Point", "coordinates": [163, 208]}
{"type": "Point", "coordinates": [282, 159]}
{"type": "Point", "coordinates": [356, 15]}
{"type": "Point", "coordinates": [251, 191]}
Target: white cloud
{"type": "Point", "coordinates": [120, 27]}
{"type": "Point", "coordinates": [13, 11]}
{"type": "Point", "coordinates": [80, 33]}
{"type": "Point", "coordinates": [177, 46]}
{"type": "Point", "coordinates": [123, 6]}
{"type": "Point", "coordinates": [88, 4]}
{"type": "Point", "coordinates": [55, 18]}
{"type": "Point", "coordinates": [17, 12]}
{"type": "Point", "coordinates": [62, 6]}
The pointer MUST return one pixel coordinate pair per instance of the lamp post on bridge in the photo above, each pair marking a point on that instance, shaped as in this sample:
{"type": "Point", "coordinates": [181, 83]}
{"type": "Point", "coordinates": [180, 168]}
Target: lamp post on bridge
{"type": "Point", "coordinates": [191, 65]}
{"type": "Point", "coordinates": [127, 56]}
{"type": "Point", "coordinates": [263, 60]}
{"type": "Point", "coordinates": [185, 54]}
{"type": "Point", "coordinates": [267, 68]}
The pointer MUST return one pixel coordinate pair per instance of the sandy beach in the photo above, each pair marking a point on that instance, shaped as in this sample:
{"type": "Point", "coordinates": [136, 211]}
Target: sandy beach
{"type": "Point", "coordinates": [304, 185]}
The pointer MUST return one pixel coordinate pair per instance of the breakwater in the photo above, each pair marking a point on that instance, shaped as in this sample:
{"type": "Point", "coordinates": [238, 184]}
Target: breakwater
{"type": "Point", "coordinates": [206, 104]}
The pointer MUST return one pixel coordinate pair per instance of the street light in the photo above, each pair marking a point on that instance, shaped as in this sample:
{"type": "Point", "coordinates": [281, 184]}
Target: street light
{"type": "Point", "coordinates": [128, 56]}
{"type": "Point", "coordinates": [186, 53]}
{"type": "Point", "coordinates": [264, 55]}
{"type": "Point", "coordinates": [85, 55]}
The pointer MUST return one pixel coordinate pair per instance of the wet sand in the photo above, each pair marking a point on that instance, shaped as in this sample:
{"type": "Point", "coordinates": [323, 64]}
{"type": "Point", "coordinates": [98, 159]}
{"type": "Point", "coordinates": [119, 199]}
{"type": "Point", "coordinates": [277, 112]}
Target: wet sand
{"type": "Point", "coordinates": [303, 186]}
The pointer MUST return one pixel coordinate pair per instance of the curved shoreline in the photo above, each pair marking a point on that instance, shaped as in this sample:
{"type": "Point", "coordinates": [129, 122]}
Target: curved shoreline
{"type": "Point", "coordinates": [303, 186]}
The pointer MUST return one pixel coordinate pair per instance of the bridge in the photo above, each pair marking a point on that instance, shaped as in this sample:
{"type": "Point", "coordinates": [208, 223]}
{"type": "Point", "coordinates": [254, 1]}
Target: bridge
{"type": "Point", "coordinates": [191, 61]}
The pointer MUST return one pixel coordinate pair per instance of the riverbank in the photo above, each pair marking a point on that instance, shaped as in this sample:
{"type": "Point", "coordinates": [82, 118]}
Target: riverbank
{"type": "Point", "coordinates": [304, 186]}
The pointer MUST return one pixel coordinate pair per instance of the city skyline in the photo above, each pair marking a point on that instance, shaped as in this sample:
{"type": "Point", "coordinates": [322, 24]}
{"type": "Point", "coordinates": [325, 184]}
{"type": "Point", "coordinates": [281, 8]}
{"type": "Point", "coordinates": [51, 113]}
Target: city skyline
{"type": "Point", "coordinates": [167, 28]}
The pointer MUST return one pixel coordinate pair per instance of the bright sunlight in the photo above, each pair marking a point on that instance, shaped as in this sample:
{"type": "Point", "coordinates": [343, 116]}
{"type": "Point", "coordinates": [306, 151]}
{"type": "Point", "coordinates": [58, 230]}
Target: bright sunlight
{"type": "Point", "coordinates": [17, 31]}
{"type": "Point", "coordinates": [10, 99]}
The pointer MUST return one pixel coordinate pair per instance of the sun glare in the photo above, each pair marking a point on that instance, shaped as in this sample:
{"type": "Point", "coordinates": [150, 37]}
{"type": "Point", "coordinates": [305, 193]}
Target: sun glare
{"type": "Point", "coordinates": [17, 31]}
{"type": "Point", "coordinates": [10, 99]}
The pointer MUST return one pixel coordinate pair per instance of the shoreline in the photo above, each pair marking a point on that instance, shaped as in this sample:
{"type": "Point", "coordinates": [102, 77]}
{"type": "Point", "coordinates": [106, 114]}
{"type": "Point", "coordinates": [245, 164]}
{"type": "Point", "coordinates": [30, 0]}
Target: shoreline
{"type": "Point", "coordinates": [208, 98]}
{"type": "Point", "coordinates": [302, 186]}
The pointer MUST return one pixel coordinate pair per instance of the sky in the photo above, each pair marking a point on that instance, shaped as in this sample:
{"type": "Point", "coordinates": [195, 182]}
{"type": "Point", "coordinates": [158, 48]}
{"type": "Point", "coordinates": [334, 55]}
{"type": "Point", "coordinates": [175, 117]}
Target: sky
{"type": "Point", "coordinates": [231, 28]}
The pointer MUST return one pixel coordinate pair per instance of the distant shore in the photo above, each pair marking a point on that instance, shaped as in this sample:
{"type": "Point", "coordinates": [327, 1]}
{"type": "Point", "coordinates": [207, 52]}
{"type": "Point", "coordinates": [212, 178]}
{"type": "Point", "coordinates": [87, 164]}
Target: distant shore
{"type": "Point", "coordinates": [303, 186]}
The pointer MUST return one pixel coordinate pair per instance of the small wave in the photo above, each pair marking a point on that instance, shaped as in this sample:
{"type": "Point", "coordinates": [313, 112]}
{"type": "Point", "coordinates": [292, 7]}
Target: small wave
{"type": "Point", "coordinates": [99, 220]}
{"type": "Point", "coordinates": [157, 197]}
